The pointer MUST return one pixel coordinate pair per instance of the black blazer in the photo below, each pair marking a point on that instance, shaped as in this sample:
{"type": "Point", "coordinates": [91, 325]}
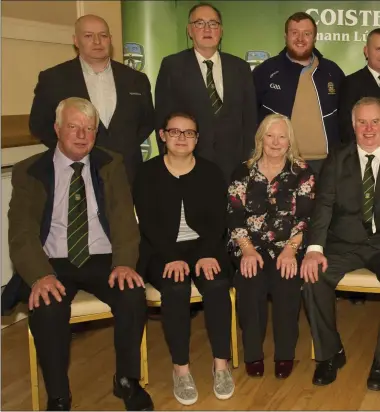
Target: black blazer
{"type": "Point", "coordinates": [226, 138]}
{"type": "Point", "coordinates": [337, 220]}
{"type": "Point", "coordinates": [158, 195]}
{"type": "Point", "coordinates": [354, 87]}
{"type": "Point", "coordinates": [131, 123]}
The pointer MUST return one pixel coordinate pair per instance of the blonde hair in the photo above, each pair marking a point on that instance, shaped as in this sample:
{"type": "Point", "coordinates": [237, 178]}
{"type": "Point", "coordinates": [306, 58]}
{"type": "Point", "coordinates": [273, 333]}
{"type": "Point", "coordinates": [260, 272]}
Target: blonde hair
{"type": "Point", "coordinates": [83, 105]}
{"type": "Point", "coordinates": [292, 154]}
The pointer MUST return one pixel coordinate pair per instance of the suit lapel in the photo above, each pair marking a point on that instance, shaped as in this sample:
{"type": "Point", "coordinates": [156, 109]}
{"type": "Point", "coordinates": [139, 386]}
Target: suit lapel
{"type": "Point", "coordinates": [196, 82]}
{"type": "Point", "coordinates": [43, 170]}
{"type": "Point", "coordinates": [118, 79]}
{"type": "Point", "coordinates": [228, 77]}
{"type": "Point", "coordinates": [376, 205]}
{"type": "Point", "coordinates": [356, 176]}
{"type": "Point", "coordinates": [78, 79]}
{"type": "Point", "coordinates": [370, 80]}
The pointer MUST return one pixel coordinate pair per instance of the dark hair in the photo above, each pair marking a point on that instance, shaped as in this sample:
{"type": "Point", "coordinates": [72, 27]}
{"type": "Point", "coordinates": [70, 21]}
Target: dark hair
{"type": "Point", "coordinates": [300, 15]}
{"type": "Point", "coordinates": [180, 114]}
{"type": "Point", "coordinates": [202, 4]}
{"type": "Point", "coordinates": [371, 33]}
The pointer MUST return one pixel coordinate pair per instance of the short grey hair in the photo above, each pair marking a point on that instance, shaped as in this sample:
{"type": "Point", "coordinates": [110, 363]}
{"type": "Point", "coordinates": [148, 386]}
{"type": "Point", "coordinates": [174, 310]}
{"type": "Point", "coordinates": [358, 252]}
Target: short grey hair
{"type": "Point", "coordinates": [364, 101]}
{"type": "Point", "coordinates": [83, 105]}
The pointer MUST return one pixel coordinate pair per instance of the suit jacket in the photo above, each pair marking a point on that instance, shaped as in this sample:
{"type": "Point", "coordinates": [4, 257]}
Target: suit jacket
{"type": "Point", "coordinates": [226, 138]}
{"type": "Point", "coordinates": [337, 220]}
{"type": "Point", "coordinates": [131, 123]}
{"type": "Point", "coordinates": [354, 87]}
{"type": "Point", "coordinates": [31, 209]}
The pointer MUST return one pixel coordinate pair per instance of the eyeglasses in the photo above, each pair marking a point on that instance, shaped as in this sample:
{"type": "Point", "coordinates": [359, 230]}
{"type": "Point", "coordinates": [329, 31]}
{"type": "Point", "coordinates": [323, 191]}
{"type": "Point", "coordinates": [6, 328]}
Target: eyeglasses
{"type": "Point", "coordinates": [201, 24]}
{"type": "Point", "coordinates": [176, 133]}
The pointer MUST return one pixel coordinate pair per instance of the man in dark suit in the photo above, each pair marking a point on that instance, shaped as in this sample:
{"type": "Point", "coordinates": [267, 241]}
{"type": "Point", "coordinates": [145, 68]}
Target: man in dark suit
{"type": "Point", "coordinates": [364, 82]}
{"type": "Point", "coordinates": [72, 226]}
{"type": "Point", "coordinates": [121, 95]}
{"type": "Point", "coordinates": [344, 236]}
{"type": "Point", "coordinates": [215, 87]}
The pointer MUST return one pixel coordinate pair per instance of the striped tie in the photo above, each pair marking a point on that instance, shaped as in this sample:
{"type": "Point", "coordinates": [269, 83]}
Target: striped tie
{"type": "Point", "coordinates": [216, 101]}
{"type": "Point", "coordinates": [77, 222]}
{"type": "Point", "coordinates": [368, 191]}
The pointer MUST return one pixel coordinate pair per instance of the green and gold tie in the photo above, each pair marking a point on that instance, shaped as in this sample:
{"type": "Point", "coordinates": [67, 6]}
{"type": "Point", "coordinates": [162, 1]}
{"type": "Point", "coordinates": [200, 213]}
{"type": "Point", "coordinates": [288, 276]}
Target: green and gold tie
{"type": "Point", "coordinates": [77, 222]}
{"type": "Point", "coordinates": [216, 101]}
{"type": "Point", "coordinates": [368, 192]}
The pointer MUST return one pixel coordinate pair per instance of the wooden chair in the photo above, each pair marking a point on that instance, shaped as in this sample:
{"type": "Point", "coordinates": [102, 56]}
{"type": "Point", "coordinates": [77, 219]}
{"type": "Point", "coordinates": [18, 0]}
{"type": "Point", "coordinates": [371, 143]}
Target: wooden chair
{"type": "Point", "coordinates": [84, 308]}
{"type": "Point", "coordinates": [360, 280]}
{"type": "Point", "coordinates": [153, 298]}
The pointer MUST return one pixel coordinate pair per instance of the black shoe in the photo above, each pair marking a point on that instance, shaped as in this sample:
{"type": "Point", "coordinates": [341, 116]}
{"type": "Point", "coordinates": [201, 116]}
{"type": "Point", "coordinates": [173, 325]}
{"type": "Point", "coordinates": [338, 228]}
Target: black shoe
{"type": "Point", "coordinates": [135, 397]}
{"type": "Point", "coordinates": [59, 404]}
{"type": "Point", "coordinates": [325, 372]}
{"type": "Point", "coordinates": [373, 381]}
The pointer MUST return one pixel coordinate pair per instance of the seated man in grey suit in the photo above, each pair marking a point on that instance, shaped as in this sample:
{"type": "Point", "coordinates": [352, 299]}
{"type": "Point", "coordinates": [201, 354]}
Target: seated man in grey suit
{"type": "Point", "coordinates": [72, 226]}
{"type": "Point", "coordinates": [344, 236]}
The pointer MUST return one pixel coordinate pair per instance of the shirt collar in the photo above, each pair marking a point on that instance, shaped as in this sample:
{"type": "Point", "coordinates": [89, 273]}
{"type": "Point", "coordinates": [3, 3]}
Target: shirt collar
{"type": "Point", "coordinates": [375, 74]}
{"type": "Point", "coordinates": [362, 153]}
{"type": "Point", "coordinates": [215, 58]}
{"type": "Point", "coordinates": [63, 162]}
{"type": "Point", "coordinates": [89, 70]}
{"type": "Point", "coordinates": [305, 67]}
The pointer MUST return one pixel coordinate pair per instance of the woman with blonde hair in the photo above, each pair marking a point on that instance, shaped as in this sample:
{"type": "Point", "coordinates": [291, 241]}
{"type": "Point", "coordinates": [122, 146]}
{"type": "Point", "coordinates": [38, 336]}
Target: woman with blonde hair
{"type": "Point", "coordinates": [270, 201]}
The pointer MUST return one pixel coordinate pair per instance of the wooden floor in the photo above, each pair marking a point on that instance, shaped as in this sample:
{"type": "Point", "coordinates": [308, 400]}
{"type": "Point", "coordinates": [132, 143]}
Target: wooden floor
{"type": "Point", "coordinates": [92, 368]}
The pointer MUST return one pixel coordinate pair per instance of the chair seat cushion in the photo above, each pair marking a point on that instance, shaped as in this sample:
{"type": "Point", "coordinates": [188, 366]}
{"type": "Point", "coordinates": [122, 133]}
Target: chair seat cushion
{"type": "Point", "coordinates": [153, 295]}
{"type": "Point", "coordinates": [360, 278]}
{"type": "Point", "coordinates": [87, 304]}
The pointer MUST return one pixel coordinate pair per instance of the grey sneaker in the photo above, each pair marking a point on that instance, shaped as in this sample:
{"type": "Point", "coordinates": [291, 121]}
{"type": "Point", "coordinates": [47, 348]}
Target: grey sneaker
{"type": "Point", "coordinates": [184, 389]}
{"type": "Point", "coordinates": [224, 386]}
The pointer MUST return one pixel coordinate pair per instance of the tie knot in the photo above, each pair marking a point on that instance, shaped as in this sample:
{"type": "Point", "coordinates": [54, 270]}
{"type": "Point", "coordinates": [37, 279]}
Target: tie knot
{"type": "Point", "coordinates": [77, 166]}
{"type": "Point", "coordinates": [209, 63]}
{"type": "Point", "coordinates": [370, 158]}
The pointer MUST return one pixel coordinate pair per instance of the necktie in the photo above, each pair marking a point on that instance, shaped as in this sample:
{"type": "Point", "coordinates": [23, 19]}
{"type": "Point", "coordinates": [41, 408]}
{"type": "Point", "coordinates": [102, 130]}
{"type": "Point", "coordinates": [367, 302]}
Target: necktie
{"type": "Point", "coordinates": [216, 101]}
{"type": "Point", "coordinates": [368, 192]}
{"type": "Point", "coordinates": [77, 222]}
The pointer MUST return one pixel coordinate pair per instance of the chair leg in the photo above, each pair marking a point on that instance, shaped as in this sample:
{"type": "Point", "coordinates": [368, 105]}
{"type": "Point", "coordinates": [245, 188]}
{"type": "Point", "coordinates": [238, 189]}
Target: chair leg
{"type": "Point", "coordinates": [144, 361]}
{"type": "Point", "coordinates": [33, 372]}
{"type": "Point", "coordinates": [312, 350]}
{"type": "Point", "coordinates": [234, 344]}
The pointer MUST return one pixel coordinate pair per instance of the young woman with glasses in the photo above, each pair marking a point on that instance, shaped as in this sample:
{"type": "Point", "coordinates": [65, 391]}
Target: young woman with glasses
{"type": "Point", "coordinates": [181, 203]}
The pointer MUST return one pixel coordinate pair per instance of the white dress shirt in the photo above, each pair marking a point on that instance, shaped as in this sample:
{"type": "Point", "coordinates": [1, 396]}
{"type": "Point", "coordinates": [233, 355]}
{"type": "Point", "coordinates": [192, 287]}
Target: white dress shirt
{"type": "Point", "coordinates": [56, 242]}
{"type": "Point", "coordinates": [375, 170]}
{"type": "Point", "coordinates": [101, 89]}
{"type": "Point", "coordinates": [375, 74]}
{"type": "Point", "coordinates": [216, 70]}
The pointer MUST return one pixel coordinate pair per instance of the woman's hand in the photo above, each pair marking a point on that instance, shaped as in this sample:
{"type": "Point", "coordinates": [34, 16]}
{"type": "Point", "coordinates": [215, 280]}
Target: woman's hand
{"type": "Point", "coordinates": [210, 267]}
{"type": "Point", "coordinates": [287, 262]}
{"type": "Point", "coordinates": [179, 269]}
{"type": "Point", "coordinates": [248, 264]}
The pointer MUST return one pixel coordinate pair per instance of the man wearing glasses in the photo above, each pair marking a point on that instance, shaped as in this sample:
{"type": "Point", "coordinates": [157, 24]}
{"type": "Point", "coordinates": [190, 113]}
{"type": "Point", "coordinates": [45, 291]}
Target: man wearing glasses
{"type": "Point", "coordinates": [215, 87]}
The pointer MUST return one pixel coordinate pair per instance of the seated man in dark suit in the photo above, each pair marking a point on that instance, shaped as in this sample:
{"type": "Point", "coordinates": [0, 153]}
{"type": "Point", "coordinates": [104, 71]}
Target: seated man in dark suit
{"type": "Point", "coordinates": [344, 236]}
{"type": "Point", "coordinates": [121, 95]}
{"type": "Point", "coordinates": [363, 83]}
{"type": "Point", "coordinates": [72, 226]}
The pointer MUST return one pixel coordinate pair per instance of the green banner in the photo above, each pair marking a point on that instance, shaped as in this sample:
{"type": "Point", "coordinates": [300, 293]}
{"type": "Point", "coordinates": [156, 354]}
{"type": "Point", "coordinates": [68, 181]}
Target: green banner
{"type": "Point", "coordinates": [253, 30]}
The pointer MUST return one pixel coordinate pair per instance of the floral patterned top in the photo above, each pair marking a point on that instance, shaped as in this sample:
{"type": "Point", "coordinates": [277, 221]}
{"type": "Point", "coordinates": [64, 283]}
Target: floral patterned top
{"type": "Point", "coordinates": [269, 213]}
